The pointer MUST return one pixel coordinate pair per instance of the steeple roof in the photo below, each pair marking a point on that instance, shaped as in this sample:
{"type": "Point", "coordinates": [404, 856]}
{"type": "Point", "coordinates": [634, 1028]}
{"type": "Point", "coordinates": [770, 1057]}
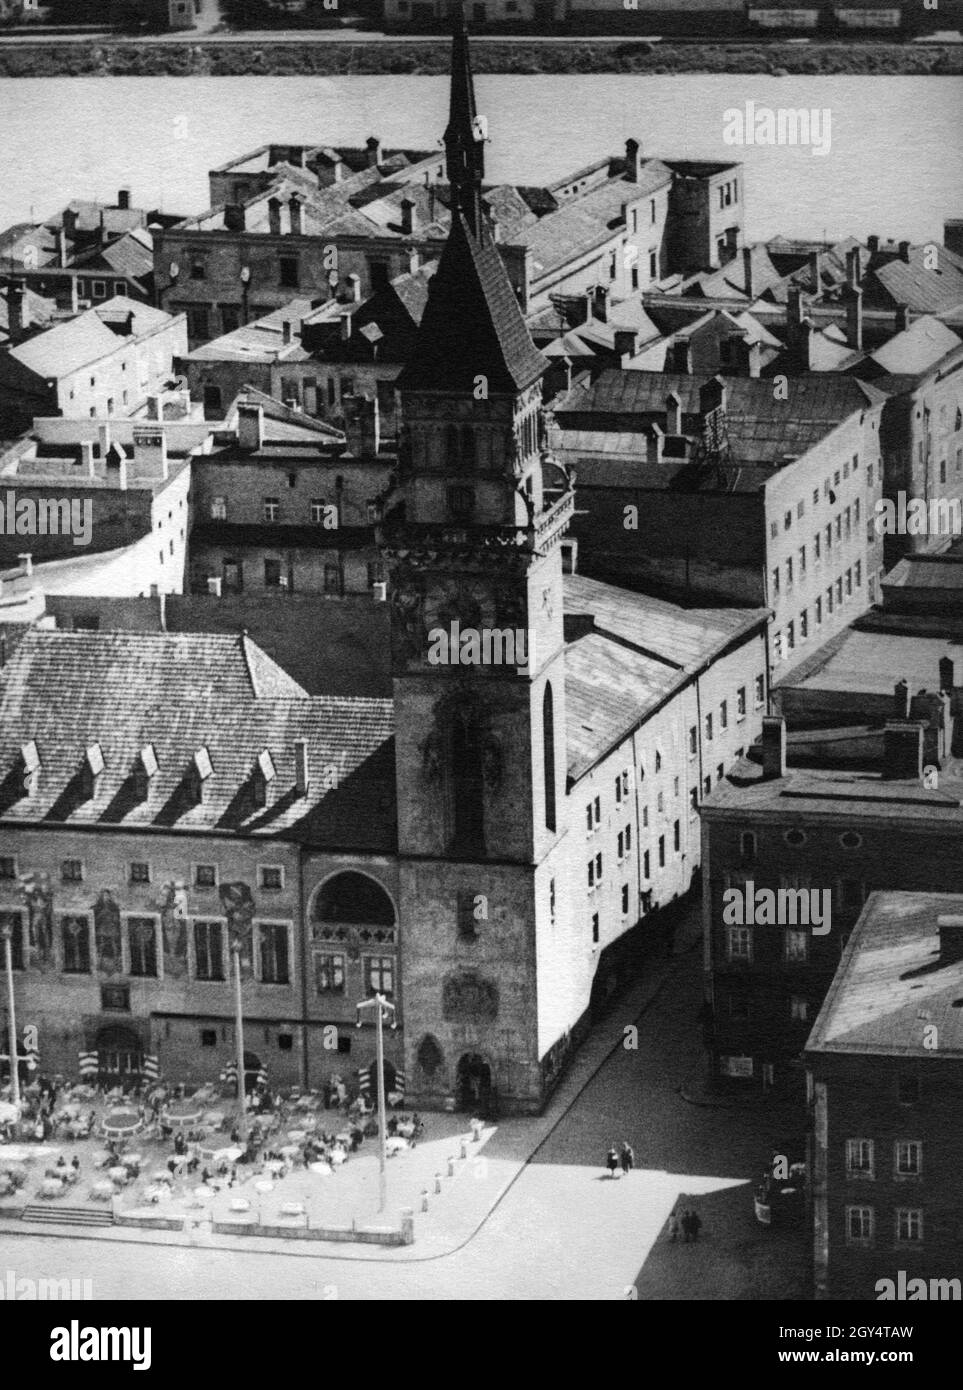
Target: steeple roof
{"type": "Point", "coordinates": [472, 325]}
{"type": "Point", "coordinates": [464, 142]}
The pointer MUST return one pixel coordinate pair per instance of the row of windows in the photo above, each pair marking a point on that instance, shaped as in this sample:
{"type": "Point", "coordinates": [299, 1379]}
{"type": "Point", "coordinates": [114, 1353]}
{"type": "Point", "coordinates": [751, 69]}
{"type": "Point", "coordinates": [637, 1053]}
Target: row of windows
{"type": "Point", "coordinates": [861, 1225]}
{"type": "Point", "coordinates": [839, 476]}
{"type": "Point", "coordinates": [844, 525]}
{"type": "Point", "coordinates": [739, 945]}
{"type": "Point", "coordinates": [861, 1158]}
{"type": "Point", "coordinates": [795, 838]}
{"type": "Point", "coordinates": [797, 629]}
{"type": "Point", "coordinates": [799, 1008]}
{"type": "Point", "coordinates": [728, 193]}
{"type": "Point", "coordinates": [319, 512]}
{"type": "Point", "coordinates": [330, 970]}
{"type": "Point", "coordinates": [232, 576]}
{"type": "Point", "coordinates": [270, 877]}
{"type": "Point", "coordinates": [138, 948]}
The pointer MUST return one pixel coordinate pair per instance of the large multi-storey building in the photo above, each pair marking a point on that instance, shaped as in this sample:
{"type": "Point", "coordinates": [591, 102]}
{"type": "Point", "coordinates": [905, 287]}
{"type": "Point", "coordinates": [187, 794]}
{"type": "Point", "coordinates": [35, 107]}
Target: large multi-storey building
{"type": "Point", "coordinates": [885, 1064]}
{"type": "Point", "coordinates": [730, 487]}
{"type": "Point", "coordinates": [487, 846]}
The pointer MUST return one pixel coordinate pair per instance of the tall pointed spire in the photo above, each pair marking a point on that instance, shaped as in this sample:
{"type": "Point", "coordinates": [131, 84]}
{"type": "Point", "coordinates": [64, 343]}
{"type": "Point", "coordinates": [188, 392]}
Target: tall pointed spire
{"type": "Point", "coordinates": [464, 150]}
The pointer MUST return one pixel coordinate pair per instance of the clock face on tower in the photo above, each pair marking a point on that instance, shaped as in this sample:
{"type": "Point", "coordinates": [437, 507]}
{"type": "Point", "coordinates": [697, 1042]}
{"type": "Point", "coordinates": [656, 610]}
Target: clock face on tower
{"type": "Point", "coordinates": [465, 601]}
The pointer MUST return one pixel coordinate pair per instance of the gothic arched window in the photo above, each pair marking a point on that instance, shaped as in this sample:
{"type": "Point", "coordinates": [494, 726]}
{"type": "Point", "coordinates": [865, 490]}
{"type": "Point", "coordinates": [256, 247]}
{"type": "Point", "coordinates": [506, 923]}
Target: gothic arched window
{"type": "Point", "coordinates": [548, 754]}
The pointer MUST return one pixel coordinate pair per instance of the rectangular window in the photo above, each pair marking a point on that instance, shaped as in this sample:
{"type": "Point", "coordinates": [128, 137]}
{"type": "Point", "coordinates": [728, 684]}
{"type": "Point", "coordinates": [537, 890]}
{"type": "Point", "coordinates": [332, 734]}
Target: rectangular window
{"type": "Point", "coordinates": [595, 928]}
{"type": "Point", "coordinates": [909, 1158]}
{"type": "Point", "coordinates": [860, 1224]}
{"type": "Point", "coordinates": [621, 846]}
{"type": "Point", "coordinates": [272, 574]}
{"type": "Point", "coordinates": [598, 868]}
{"type": "Point", "coordinates": [787, 521]}
{"type": "Point", "coordinates": [219, 509]}
{"type": "Point", "coordinates": [739, 943]}
{"type": "Point", "coordinates": [693, 800]}
{"type": "Point", "coordinates": [816, 545]}
{"type": "Point", "coordinates": [628, 838]}
{"type": "Point", "coordinates": [8, 866]}
{"type": "Point", "coordinates": [741, 1067]}
{"type": "Point", "coordinates": [209, 950]}
{"type": "Point", "coordinates": [329, 973]}
{"type": "Point", "coordinates": [802, 561]}
{"type": "Point", "coordinates": [741, 702]}
{"type": "Point", "coordinates": [849, 583]}
{"type": "Point", "coordinates": [839, 591]}
{"type": "Point", "coordinates": [829, 599]}
{"type": "Point", "coordinates": [272, 508]}
{"type": "Point", "coordinates": [380, 975]}
{"type": "Point", "coordinates": [803, 625]}
{"type": "Point", "coordinates": [760, 691]}
{"type": "Point", "coordinates": [271, 877]}
{"type": "Point", "coordinates": [205, 876]}
{"type": "Point", "coordinates": [273, 942]}
{"type": "Point", "coordinates": [625, 899]}
{"type": "Point", "coordinates": [208, 1037]}
{"type": "Point", "coordinates": [797, 947]}
{"type": "Point", "coordinates": [289, 272]}
{"type": "Point", "coordinates": [589, 826]}
{"type": "Point", "coordinates": [317, 511]}
{"type": "Point", "coordinates": [860, 1158]}
{"type": "Point", "coordinates": [829, 537]}
{"type": "Point", "coordinates": [676, 836]}
{"type": "Point", "coordinates": [724, 715]}
{"type": "Point", "coordinates": [819, 612]}
{"type": "Point", "coordinates": [653, 265]}
{"type": "Point", "coordinates": [142, 939]}
{"type": "Point", "coordinates": [798, 1009]}
{"type": "Point", "coordinates": [646, 865]}
{"type": "Point", "coordinates": [790, 636]}
{"type": "Point", "coordinates": [693, 741]}
{"type": "Point", "coordinates": [618, 790]}
{"type": "Point", "coordinates": [591, 874]}
{"type": "Point", "coordinates": [139, 872]}
{"type": "Point", "coordinates": [775, 582]}
{"type": "Point", "coordinates": [661, 851]}
{"type": "Point", "coordinates": [909, 1224]}
{"type": "Point", "coordinates": [75, 937]}
{"type": "Point", "coordinates": [72, 871]}
{"type": "Point", "coordinates": [708, 728]}
{"type": "Point", "coordinates": [597, 809]}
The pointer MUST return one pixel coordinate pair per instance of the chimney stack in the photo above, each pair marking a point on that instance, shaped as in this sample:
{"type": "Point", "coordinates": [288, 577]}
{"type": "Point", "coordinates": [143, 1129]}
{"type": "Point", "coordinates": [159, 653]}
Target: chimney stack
{"type": "Point", "coordinates": [815, 261]}
{"type": "Point", "coordinates": [16, 311]}
{"type": "Point", "coordinates": [626, 342]}
{"type": "Point", "coordinates": [805, 347]}
{"type": "Point", "coordinates": [345, 325]}
{"type": "Point", "coordinates": [773, 746]}
{"type": "Point", "coordinates": [589, 306]}
{"type": "Point", "coordinates": [673, 414]}
{"type": "Point", "coordinates": [354, 287]}
{"type": "Point", "coordinates": [853, 298]}
{"type": "Point", "coordinates": [852, 267]}
{"type": "Point", "coordinates": [901, 700]}
{"type": "Point", "coordinates": [294, 214]}
{"type": "Point", "coordinates": [408, 216]}
{"type": "Point", "coordinates": [951, 938]}
{"type": "Point", "coordinates": [26, 562]}
{"type": "Point", "coordinates": [903, 750]}
{"type": "Point", "coordinates": [235, 217]}
{"type": "Point", "coordinates": [87, 458]}
{"type": "Point", "coordinates": [747, 270]}
{"type": "Point", "coordinates": [370, 427]}
{"type": "Point", "coordinates": [373, 147]}
{"type": "Point", "coordinates": [123, 199]}
{"type": "Point", "coordinates": [904, 251]}
{"type": "Point", "coordinates": [754, 358]}
{"type": "Point", "coordinates": [947, 674]}
{"type": "Point", "coordinates": [600, 298]}
{"type": "Point", "coordinates": [634, 161]}
{"type": "Point", "coordinates": [274, 217]}
{"type": "Point", "coordinates": [60, 241]}
{"type": "Point", "coordinates": [250, 426]}
{"type": "Point", "coordinates": [286, 331]}
{"type": "Point", "coordinates": [301, 776]}
{"type": "Point", "coordinates": [872, 244]}
{"type": "Point", "coordinates": [712, 396]}
{"type": "Point", "coordinates": [902, 318]}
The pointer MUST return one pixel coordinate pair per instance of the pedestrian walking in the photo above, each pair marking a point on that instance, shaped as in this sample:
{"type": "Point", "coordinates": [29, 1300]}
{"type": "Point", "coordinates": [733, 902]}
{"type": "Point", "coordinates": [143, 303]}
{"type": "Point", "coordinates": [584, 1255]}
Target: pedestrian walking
{"type": "Point", "coordinates": [612, 1162]}
{"type": "Point", "coordinates": [627, 1157]}
{"type": "Point", "coordinates": [673, 1228]}
{"type": "Point", "coordinates": [695, 1224]}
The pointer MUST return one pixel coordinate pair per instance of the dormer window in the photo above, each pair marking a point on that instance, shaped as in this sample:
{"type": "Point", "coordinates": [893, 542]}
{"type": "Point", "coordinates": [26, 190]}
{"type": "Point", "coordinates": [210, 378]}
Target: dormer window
{"type": "Point", "coordinates": [201, 770]}
{"type": "Point", "coordinates": [144, 769]}
{"type": "Point", "coordinates": [93, 766]}
{"type": "Point", "coordinates": [30, 767]}
{"type": "Point", "coordinates": [264, 775]}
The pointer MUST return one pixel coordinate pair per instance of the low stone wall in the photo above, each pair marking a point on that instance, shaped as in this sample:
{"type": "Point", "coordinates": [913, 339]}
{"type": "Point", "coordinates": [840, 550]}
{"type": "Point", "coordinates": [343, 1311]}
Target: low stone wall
{"type": "Point", "coordinates": [148, 1223]}
{"type": "Point", "coordinates": [297, 1228]}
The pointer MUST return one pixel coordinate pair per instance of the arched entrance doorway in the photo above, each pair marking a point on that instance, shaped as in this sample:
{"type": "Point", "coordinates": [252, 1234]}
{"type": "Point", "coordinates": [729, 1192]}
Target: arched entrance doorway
{"type": "Point", "coordinates": [474, 1084]}
{"type": "Point", "coordinates": [120, 1056]}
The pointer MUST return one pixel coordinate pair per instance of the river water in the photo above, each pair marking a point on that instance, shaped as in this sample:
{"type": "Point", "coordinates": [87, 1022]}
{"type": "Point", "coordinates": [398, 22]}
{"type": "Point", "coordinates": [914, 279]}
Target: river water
{"type": "Point", "coordinates": [895, 162]}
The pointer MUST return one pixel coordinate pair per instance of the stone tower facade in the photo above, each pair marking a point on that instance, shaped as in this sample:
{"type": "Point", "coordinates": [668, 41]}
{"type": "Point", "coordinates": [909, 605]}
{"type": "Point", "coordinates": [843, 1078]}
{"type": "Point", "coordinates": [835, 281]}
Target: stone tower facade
{"type": "Point", "coordinates": [472, 540]}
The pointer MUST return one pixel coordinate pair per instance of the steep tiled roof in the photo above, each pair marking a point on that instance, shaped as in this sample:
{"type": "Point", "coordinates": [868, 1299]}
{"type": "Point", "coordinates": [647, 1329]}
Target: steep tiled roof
{"type": "Point", "coordinates": [472, 325]}
{"type": "Point", "coordinates": [183, 692]}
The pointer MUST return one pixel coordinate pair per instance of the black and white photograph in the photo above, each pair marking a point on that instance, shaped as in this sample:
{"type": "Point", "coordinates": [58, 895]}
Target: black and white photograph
{"type": "Point", "coordinates": [481, 667]}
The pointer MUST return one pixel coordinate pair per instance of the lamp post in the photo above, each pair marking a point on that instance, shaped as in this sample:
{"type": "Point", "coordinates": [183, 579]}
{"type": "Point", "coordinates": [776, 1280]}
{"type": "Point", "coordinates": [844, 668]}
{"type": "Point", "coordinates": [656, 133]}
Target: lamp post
{"type": "Point", "coordinates": [239, 1038]}
{"type": "Point", "coordinates": [383, 1009]}
{"type": "Point", "coordinates": [6, 931]}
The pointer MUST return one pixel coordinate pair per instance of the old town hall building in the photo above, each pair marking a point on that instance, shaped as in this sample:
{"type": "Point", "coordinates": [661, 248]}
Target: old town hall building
{"type": "Point", "coordinates": [485, 845]}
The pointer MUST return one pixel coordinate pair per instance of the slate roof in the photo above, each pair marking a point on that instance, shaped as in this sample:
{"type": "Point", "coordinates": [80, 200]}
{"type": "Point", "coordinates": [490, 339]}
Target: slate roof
{"type": "Point", "coordinates": [472, 325]}
{"type": "Point", "coordinates": [891, 979]}
{"type": "Point", "coordinates": [922, 290]}
{"type": "Point", "coordinates": [181, 692]}
{"type": "Point", "coordinates": [65, 347]}
{"type": "Point", "coordinates": [640, 649]}
{"type": "Point", "coordinates": [918, 348]}
{"type": "Point", "coordinates": [761, 429]}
